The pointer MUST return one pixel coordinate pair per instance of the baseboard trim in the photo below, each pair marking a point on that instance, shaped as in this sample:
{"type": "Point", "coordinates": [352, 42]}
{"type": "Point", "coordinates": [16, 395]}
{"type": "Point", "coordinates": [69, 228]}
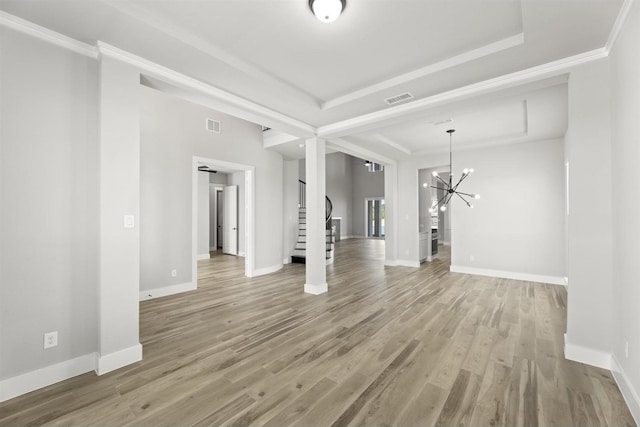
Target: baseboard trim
{"type": "Point", "coordinates": [241, 254]}
{"type": "Point", "coordinates": [629, 393]}
{"type": "Point", "coordinates": [203, 256]}
{"type": "Point", "coordinates": [112, 361]}
{"type": "Point", "coordinates": [266, 270]}
{"type": "Point", "coordinates": [552, 280]}
{"type": "Point", "coordinates": [407, 263]}
{"type": "Point", "coordinates": [316, 289]}
{"type": "Point", "coordinates": [351, 237]}
{"type": "Point", "coordinates": [588, 356]}
{"type": "Point", "coordinates": [286, 260]}
{"type": "Point", "coordinates": [391, 262]}
{"type": "Point", "coordinates": [167, 290]}
{"type": "Point", "coordinates": [34, 380]}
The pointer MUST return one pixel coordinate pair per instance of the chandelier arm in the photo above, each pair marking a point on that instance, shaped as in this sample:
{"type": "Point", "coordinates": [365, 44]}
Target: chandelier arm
{"type": "Point", "coordinates": [442, 198]}
{"type": "Point", "coordinates": [462, 178]}
{"type": "Point", "coordinates": [466, 194]}
{"type": "Point", "coordinates": [463, 199]}
{"type": "Point", "coordinates": [447, 198]}
{"type": "Point", "coordinates": [442, 181]}
{"type": "Point", "coordinates": [439, 188]}
{"type": "Point", "coordinates": [459, 182]}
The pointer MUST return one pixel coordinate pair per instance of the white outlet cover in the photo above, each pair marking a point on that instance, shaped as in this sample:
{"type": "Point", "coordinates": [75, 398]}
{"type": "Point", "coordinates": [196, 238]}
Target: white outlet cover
{"type": "Point", "coordinates": [129, 221]}
{"type": "Point", "coordinates": [51, 339]}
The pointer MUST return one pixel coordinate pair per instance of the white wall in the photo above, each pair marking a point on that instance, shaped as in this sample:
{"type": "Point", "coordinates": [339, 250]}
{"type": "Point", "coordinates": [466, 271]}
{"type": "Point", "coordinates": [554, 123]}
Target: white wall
{"type": "Point", "coordinates": [172, 131]}
{"type": "Point", "coordinates": [589, 264]}
{"type": "Point", "coordinates": [625, 149]}
{"type": "Point", "coordinates": [518, 224]}
{"type": "Point", "coordinates": [48, 203]}
{"type": "Point", "coordinates": [472, 231]}
{"type": "Point", "coordinates": [408, 211]}
{"type": "Point", "coordinates": [290, 208]}
{"type": "Point", "coordinates": [339, 189]}
{"type": "Point", "coordinates": [339, 185]}
{"type": "Point", "coordinates": [203, 215]}
{"type": "Point", "coordinates": [365, 185]}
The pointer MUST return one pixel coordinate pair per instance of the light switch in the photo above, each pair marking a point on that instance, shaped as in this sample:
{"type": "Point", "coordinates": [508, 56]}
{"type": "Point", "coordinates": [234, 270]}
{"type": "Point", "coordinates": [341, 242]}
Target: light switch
{"type": "Point", "coordinates": [128, 221]}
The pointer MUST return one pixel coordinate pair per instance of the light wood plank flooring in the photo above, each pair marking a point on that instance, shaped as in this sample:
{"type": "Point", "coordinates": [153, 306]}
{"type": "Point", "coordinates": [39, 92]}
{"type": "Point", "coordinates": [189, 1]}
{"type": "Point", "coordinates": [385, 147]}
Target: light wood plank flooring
{"type": "Point", "coordinates": [385, 347]}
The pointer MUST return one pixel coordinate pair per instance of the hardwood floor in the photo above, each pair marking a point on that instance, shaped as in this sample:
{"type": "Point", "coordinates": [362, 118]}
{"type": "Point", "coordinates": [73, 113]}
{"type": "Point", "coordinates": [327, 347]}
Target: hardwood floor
{"type": "Point", "coordinates": [385, 346]}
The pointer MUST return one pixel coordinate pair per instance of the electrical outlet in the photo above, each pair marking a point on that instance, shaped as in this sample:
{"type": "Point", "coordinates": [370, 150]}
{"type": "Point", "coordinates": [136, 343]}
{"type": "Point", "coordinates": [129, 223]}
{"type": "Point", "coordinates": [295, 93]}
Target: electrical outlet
{"type": "Point", "coordinates": [626, 349]}
{"type": "Point", "coordinates": [174, 273]}
{"type": "Point", "coordinates": [51, 339]}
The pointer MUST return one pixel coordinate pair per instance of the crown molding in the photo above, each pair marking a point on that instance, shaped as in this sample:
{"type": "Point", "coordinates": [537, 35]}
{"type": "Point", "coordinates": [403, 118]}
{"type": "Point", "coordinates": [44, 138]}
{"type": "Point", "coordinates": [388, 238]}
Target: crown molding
{"type": "Point", "coordinates": [47, 35]}
{"type": "Point", "coordinates": [454, 61]}
{"type": "Point", "coordinates": [179, 33]}
{"type": "Point", "coordinates": [168, 75]}
{"type": "Point", "coordinates": [617, 26]}
{"type": "Point", "coordinates": [550, 69]}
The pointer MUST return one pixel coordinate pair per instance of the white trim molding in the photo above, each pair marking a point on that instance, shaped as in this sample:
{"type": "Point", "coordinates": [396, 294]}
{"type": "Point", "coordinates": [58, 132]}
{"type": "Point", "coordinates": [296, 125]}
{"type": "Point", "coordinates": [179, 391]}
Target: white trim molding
{"type": "Point", "coordinates": [316, 289]}
{"type": "Point", "coordinates": [586, 355]}
{"type": "Point", "coordinates": [167, 290]}
{"type": "Point", "coordinates": [34, 380]}
{"type": "Point", "coordinates": [112, 361]}
{"type": "Point", "coordinates": [259, 112]}
{"type": "Point", "coordinates": [202, 257]}
{"type": "Point", "coordinates": [629, 393]}
{"type": "Point", "coordinates": [617, 26]}
{"type": "Point", "coordinates": [266, 270]}
{"type": "Point", "coordinates": [377, 118]}
{"type": "Point", "coordinates": [538, 278]}
{"type": "Point", "coordinates": [463, 58]}
{"type": "Point", "coordinates": [407, 263]}
{"type": "Point", "coordinates": [47, 35]}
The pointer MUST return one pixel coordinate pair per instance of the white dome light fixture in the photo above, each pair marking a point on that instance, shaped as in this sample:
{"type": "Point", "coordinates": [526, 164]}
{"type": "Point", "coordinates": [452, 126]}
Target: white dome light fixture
{"type": "Point", "coordinates": [327, 10]}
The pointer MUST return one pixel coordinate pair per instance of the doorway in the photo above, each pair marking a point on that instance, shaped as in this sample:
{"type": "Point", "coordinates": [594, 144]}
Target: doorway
{"type": "Point", "coordinates": [245, 175]}
{"type": "Point", "coordinates": [375, 218]}
{"type": "Point", "coordinates": [219, 218]}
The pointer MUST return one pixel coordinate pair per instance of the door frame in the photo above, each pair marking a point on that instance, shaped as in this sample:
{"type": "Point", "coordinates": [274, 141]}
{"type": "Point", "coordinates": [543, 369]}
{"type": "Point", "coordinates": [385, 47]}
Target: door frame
{"type": "Point", "coordinates": [230, 195]}
{"type": "Point", "coordinates": [366, 217]}
{"type": "Point", "coordinates": [249, 211]}
{"type": "Point", "coordinates": [213, 209]}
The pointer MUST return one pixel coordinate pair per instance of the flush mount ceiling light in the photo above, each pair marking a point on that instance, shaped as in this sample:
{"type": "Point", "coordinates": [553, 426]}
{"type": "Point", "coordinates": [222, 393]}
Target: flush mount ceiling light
{"type": "Point", "coordinates": [327, 10]}
{"type": "Point", "coordinates": [448, 187]}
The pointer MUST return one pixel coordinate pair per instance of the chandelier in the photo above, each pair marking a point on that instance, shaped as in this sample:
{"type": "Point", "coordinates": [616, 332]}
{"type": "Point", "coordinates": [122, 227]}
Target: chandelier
{"type": "Point", "coordinates": [449, 189]}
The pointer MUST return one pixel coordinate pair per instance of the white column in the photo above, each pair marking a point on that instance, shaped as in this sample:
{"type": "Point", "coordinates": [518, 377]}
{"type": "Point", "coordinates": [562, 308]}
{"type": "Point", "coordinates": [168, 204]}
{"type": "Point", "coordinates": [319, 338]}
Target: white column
{"type": "Point", "coordinates": [391, 217]}
{"type": "Point", "coordinates": [316, 264]}
{"type": "Point", "coordinates": [119, 295]}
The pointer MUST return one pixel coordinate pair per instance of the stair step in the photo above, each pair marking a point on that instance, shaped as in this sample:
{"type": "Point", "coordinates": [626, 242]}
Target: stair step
{"type": "Point", "coordinates": [301, 259]}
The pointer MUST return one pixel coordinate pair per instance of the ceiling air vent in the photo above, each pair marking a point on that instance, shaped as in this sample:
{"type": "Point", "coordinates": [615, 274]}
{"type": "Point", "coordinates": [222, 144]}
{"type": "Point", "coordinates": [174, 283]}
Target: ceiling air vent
{"type": "Point", "coordinates": [213, 126]}
{"type": "Point", "coordinates": [398, 98]}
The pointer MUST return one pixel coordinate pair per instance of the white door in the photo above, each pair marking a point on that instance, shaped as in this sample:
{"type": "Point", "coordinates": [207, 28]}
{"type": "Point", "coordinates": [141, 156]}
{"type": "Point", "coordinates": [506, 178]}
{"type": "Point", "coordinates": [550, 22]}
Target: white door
{"type": "Point", "coordinates": [230, 224]}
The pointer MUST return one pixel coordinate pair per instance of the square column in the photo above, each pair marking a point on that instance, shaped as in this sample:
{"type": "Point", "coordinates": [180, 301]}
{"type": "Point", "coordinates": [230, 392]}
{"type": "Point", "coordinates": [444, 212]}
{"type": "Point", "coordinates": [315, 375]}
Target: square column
{"type": "Point", "coordinates": [119, 295]}
{"type": "Point", "coordinates": [316, 262]}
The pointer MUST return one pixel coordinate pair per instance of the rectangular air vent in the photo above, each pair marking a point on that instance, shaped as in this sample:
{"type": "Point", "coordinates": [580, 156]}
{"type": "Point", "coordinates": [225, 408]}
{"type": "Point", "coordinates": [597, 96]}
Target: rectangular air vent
{"type": "Point", "coordinates": [399, 98]}
{"type": "Point", "coordinates": [213, 126]}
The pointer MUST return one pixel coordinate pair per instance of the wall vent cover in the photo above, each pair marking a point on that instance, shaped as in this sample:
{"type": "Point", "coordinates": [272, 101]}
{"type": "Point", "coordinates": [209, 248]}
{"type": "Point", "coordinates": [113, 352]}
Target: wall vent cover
{"type": "Point", "coordinates": [398, 98]}
{"type": "Point", "coordinates": [213, 126]}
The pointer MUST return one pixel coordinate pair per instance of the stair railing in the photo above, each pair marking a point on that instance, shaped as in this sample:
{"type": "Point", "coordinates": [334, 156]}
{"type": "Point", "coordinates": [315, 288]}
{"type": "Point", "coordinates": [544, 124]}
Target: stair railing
{"type": "Point", "coordinates": [302, 202]}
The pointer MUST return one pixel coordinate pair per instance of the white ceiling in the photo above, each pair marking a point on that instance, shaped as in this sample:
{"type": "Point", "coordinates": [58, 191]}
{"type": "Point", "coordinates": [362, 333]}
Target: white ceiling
{"type": "Point", "coordinates": [333, 76]}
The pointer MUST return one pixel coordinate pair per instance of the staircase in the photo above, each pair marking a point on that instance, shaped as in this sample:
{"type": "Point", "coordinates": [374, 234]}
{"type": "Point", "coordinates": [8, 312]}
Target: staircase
{"type": "Point", "coordinates": [299, 253]}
